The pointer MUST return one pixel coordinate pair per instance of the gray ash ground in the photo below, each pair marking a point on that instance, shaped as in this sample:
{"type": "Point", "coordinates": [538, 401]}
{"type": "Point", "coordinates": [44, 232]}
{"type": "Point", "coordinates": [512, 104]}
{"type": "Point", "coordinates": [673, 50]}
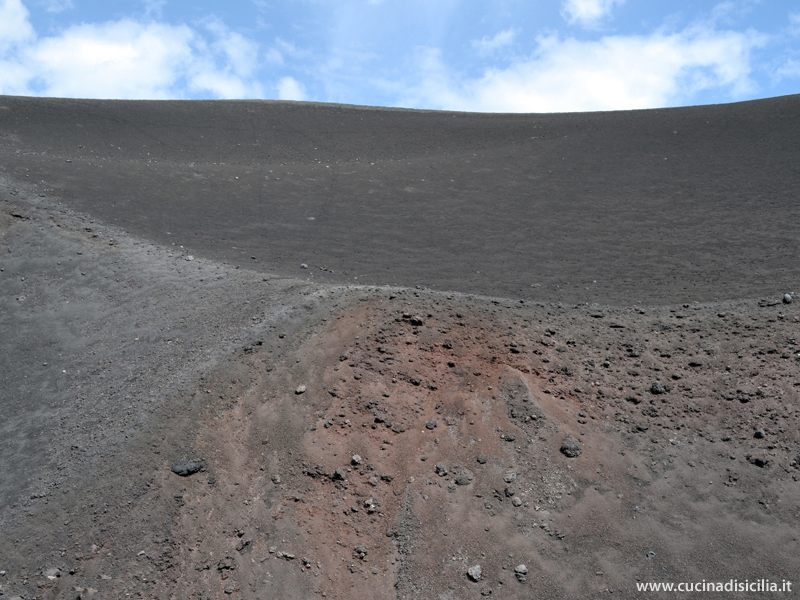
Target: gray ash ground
{"type": "Point", "coordinates": [366, 442]}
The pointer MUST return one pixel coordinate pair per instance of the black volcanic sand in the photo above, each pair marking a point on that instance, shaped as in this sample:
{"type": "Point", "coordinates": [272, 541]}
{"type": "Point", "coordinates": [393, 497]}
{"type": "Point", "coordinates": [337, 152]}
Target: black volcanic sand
{"type": "Point", "coordinates": [153, 312]}
{"type": "Point", "coordinates": [673, 205]}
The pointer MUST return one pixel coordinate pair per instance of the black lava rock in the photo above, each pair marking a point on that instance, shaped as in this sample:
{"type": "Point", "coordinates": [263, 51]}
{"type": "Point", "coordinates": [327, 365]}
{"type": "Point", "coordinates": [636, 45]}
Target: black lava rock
{"type": "Point", "coordinates": [185, 469]}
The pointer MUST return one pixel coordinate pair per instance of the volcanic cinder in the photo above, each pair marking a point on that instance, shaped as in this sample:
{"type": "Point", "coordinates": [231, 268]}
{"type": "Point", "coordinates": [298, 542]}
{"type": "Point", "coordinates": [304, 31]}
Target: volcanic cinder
{"type": "Point", "coordinates": [290, 350]}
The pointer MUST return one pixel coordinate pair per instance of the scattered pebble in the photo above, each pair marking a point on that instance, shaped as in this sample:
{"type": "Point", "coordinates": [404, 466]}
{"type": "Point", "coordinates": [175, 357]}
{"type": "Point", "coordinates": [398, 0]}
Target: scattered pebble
{"type": "Point", "coordinates": [415, 320]}
{"type": "Point", "coordinates": [300, 389]}
{"type": "Point", "coordinates": [758, 461]}
{"type": "Point", "coordinates": [474, 573]}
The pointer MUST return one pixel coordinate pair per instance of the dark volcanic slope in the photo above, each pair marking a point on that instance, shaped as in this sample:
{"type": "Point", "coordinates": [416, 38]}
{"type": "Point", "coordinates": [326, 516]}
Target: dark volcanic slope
{"type": "Point", "coordinates": [670, 205]}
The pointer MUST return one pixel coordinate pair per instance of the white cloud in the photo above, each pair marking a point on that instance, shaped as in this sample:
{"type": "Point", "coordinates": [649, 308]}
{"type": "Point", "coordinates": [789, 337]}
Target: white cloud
{"type": "Point", "coordinates": [291, 89]}
{"type": "Point", "coordinates": [486, 45]}
{"type": "Point", "coordinates": [125, 59]}
{"type": "Point", "coordinates": [154, 8]}
{"type": "Point", "coordinates": [788, 70]}
{"type": "Point", "coordinates": [274, 56]}
{"type": "Point", "coordinates": [587, 13]}
{"type": "Point", "coordinates": [122, 59]}
{"type": "Point", "coordinates": [241, 53]}
{"type": "Point", "coordinates": [794, 24]}
{"type": "Point", "coordinates": [609, 74]}
{"type": "Point", "coordinates": [15, 33]}
{"type": "Point", "coordinates": [15, 28]}
{"type": "Point", "coordinates": [223, 85]}
{"type": "Point", "coordinates": [57, 6]}
{"type": "Point", "coordinates": [283, 51]}
{"type": "Point", "coordinates": [14, 78]}
{"type": "Point", "coordinates": [286, 48]}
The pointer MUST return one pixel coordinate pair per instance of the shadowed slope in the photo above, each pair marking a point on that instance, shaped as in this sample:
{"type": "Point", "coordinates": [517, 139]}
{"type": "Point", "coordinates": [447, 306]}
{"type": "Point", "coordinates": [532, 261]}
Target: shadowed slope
{"type": "Point", "coordinates": [668, 205]}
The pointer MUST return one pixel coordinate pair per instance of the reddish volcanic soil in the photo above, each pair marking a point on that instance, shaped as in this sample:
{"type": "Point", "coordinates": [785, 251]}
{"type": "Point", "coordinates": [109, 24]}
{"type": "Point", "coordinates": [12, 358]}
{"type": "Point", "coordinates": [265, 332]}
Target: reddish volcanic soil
{"type": "Point", "coordinates": [441, 405]}
{"type": "Point", "coordinates": [443, 399]}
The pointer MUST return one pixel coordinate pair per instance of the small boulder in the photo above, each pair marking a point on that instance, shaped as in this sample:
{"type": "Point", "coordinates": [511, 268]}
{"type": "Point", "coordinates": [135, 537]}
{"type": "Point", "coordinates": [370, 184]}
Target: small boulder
{"type": "Point", "coordinates": [185, 469]}
{"type": "Point", "coordinates": [474, 573]}
{"type": "Point", "coordinates": [571, 448]}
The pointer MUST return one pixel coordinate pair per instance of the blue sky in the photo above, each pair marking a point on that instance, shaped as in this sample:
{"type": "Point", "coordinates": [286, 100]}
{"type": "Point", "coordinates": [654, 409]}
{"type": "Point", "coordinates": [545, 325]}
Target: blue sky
{"type": "Point", "coordinates": [489, 56]}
